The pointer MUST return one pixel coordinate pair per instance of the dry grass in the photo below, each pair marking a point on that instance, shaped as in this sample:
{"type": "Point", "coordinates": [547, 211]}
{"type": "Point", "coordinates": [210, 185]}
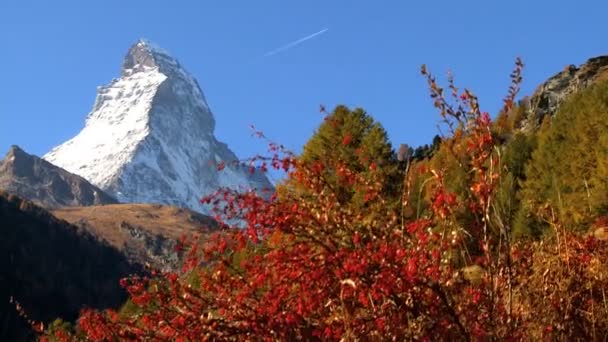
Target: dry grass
{"type": "Point", "coordinates": [105, 220]}
{"type": "Point", "coordinates": [602, 75]}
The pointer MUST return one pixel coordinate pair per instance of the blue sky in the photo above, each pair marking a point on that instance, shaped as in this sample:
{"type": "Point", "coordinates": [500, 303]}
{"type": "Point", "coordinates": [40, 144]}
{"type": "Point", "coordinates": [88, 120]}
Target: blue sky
{"type": "Point", "coordinates": [55, 53]}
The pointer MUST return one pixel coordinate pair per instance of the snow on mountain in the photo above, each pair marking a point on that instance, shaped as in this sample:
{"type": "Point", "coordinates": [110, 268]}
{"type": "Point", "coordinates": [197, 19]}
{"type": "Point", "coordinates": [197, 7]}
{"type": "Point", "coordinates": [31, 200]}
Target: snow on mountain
{"type": "Point", "coordinates": [150, 137]}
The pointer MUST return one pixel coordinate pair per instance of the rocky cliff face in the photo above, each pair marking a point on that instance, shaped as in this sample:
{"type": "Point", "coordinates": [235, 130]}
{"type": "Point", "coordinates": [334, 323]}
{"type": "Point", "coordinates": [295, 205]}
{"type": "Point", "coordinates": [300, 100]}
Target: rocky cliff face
{"type": "Point", "coordinates": [45, 184]}
{"type": "Point", "coordinates": [550, 95]}
{"type": "Point", "coordinates": [150, 137]}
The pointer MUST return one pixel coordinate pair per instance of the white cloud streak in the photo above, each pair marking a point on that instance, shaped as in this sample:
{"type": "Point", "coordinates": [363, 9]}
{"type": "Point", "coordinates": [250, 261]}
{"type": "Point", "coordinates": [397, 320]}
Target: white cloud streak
{"type": "Point", "coordinates": [294, 43]}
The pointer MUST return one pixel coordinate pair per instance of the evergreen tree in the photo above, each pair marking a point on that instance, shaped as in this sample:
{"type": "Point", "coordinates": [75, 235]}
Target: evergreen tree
{"type": "Point", "coordinates": [516, 154]}
{"type": "Point", "coordinates": [567, 178]}
{"type": "Point", "coordinates": [351, 140]}
{"type": "Point", "coordinates": [426, 151]}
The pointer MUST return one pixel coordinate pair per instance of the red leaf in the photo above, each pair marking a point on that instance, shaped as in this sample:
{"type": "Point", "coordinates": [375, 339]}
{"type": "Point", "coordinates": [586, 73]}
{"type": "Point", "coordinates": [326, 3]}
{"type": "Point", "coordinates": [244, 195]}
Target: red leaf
{"type": "Point", "coordinates": [347, 139]}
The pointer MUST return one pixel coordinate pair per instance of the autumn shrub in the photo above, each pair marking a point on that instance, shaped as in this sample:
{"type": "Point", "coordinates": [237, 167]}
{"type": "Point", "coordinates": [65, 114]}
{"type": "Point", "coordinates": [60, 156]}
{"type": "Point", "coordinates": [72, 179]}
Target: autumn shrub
{"type": "Point", "coordinates": [564, 294]}
{"type": "Point", "coordinates": [312, 267]}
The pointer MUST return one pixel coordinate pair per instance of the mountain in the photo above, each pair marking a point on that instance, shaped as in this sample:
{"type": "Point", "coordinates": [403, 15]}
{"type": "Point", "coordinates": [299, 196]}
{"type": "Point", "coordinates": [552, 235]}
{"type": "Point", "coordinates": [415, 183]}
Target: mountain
{"type": "Point", "coordinates": [150, 137]}
{"type": "Point", "coordinates": [145, 233]}
{"type": "Point", "coordinates": [45, 184]}
{"type": "Point", "coordinates": [53, 269]}
{"type": "Point", "coordinates": [547, 98]}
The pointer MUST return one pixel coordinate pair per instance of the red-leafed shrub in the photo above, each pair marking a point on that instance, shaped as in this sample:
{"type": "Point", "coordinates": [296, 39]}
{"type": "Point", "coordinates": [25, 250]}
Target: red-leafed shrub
{"type": "Point", "coordinates": [302, 265]}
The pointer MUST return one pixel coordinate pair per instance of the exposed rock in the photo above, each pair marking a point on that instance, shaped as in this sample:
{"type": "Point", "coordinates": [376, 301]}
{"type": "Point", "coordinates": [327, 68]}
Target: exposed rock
{"type": "Point", "coordinates": [45, 184]}
{"type": "Point", "coordinates": [550, 95]}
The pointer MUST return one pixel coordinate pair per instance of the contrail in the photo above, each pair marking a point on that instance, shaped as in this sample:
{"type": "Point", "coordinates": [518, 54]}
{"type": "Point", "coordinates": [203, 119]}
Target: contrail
{"type": "Point", "coordinates": [294, 43]}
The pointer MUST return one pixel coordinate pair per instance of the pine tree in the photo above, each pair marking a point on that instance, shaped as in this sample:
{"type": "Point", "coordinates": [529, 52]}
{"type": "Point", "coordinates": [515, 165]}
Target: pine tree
{"type": "Point", "coordinates": [567, 178]}
{"type": "Point", "coordinates": [516, 154]}
{"type": "Point", "coordinates": [351, 140]}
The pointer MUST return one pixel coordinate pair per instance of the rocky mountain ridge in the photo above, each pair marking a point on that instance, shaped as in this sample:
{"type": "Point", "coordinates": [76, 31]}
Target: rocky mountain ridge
{"type": "Point", "coordinates": [45, 184]}
{"type": "Point", "coordinates": [547, 98]}
{"type": "Point", "coordinates": [149, 137]}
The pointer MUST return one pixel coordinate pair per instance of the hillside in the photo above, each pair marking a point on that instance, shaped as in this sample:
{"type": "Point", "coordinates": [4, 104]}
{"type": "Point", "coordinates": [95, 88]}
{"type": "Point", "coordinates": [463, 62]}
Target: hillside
{"type": "Point", "coordinates": [145, 233]}
{"type": "Point", "coordinates": [53, 269]}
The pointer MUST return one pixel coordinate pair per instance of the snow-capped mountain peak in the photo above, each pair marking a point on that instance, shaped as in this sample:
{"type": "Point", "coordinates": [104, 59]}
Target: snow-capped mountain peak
{"type": "Point", "coordinates": [150, 137]}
